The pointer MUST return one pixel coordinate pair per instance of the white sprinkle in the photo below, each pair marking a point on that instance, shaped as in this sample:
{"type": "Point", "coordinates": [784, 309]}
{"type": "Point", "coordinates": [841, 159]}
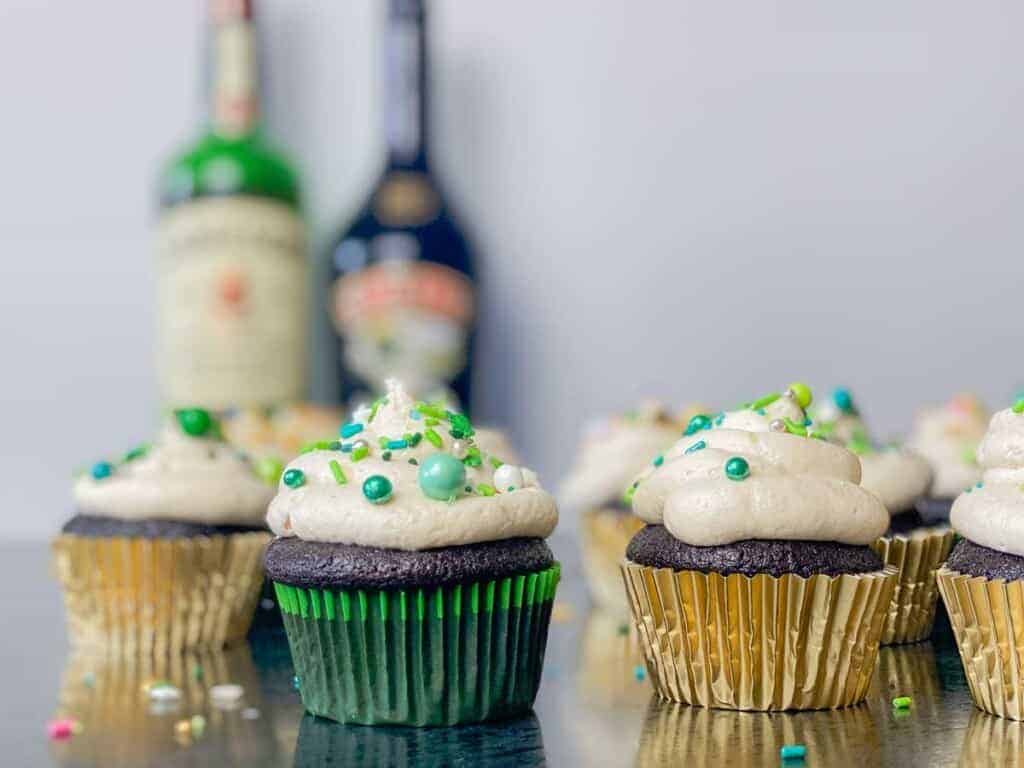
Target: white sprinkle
{"type": "Point", "coordinates": [226, 694]}
{"type": "Point", "coordinates": [250, 713]}
{"type": "Point", "coordinates": [164, 693]}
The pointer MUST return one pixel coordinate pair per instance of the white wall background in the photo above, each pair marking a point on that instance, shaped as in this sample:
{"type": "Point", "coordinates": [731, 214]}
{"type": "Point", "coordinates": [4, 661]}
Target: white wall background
{"type": "Point", "coordinates": [684, 199]}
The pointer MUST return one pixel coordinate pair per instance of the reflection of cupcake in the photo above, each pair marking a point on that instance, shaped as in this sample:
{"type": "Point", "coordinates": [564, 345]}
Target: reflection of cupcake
{"type": "Point", "coordinates": [900, 478]}
{"type": "Point", "coordinates": [164, 551]}
{"type": "Point", "coordinates": [412, 571]}
{"type": "Point", "coordinates": [982, 583]}
{"type": "Point", "coordinates": [709, 737]}
{"type": "Point", "coordinates": [754, 586]}
{"type": "Point", "coordinates": [124, 722]}
{"type": "Point", "coordinates": [992, 741]}
{"type": "Point", "coordinates": [947, 437]}
{"type": "Point", "coordinates": [509, 744]}
{"type": "Point", "coordinates": [610, 457]}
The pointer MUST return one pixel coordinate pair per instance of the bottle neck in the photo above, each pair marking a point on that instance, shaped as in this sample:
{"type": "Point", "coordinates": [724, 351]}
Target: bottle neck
{"type": "Point", "coordinates": [405, 87]}
{"type": "Point", "coordinates": [234, 77]}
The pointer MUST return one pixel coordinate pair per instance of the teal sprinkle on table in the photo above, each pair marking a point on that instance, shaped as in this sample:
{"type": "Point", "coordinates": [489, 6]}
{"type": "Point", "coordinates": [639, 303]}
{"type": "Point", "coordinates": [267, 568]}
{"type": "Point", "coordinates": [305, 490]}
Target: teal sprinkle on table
{"type": "Point", "coordinates": [793, 752]}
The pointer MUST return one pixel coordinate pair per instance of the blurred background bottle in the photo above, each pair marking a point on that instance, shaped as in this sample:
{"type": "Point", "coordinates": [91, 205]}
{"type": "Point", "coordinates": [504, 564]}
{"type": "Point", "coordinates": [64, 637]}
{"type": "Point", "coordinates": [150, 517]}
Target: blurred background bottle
{"type": "Point", "coordinates": [402, 301]}
{"type": "Point", "coordinates": [232, 268]}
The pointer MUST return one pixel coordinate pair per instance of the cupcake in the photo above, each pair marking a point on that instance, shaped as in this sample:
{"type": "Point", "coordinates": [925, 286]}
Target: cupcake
{"type": "Point", "coordinates": [754, 585]}
{"type": "Point", "coordinates": [900, 479]}
{"type": "Point", "coordinates": [412, 571]}
{"type": "Point", "coordinates": [947, 437]}
{"type": "Point", "coordinates": [164, 551]}
{"type": "Point", "coordinates": [613, 452]}
{"type": "Point", "coordinates": [982, 583]}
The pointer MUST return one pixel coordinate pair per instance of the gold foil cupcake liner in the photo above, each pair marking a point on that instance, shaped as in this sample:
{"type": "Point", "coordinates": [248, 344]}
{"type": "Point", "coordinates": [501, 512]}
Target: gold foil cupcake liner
{"type": "Point", "coordinates": [992, 741]}
{"type": "Point", "coordinates": [916, 557]}
{"type": "Point", "coordinates": [159, 596]}
{"type": "Point", "coordinates": [605, 534]}
{"type": "Point", "coordinates": [675, 734]}
{"type": "Point", "coordinates": [987, 616]}
{"type": "Point", "coordinates": [759, 642]}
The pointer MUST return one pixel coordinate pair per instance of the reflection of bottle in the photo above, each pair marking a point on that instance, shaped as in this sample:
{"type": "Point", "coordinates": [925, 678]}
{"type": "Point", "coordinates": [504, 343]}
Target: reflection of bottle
{"type": "Point", "coordinates": [402, 302]}
{"type": "Point", "coordinates": [232, 272]}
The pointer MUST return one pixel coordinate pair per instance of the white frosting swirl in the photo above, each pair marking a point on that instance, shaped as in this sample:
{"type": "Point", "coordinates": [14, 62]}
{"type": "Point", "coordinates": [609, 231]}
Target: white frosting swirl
{"type": "Point", "coordinates": [993, 514]}
{"type": "Point", "coordinates": [322, 509]}
{"type": "Point", "coordinates": [947, 437]}
{"type": "Point", "coordinates": [613, 452]}
{"type": "Point", "coordinates": [180, 477]}
{"type": "Point", "coordinates": [799, 488]}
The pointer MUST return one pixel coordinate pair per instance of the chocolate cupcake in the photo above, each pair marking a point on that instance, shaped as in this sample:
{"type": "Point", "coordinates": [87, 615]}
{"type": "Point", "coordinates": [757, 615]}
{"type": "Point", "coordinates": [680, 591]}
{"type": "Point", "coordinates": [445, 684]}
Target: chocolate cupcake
{"type": "Point", "coordinates": [900, 478]}
{"type": "Point", "coordinates": [164, 552]}
{"type": "Point", "coordinates": [947, 436]}
{"type": "Point", "coordinates": [982, 583]}
{"type": "Point", "coordinates": [611, 455]}
{"type": "Point", "coordinates": [754, 586]}
{"type": "Point", "coordinates": [412, 571]}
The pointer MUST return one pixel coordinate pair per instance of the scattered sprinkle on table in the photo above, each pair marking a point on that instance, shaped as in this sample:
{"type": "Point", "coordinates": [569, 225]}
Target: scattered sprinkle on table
{"type": "Point", "coordinates": [162, 691]}
{"type": "Point", "coordinates": [638, 672]}
{"type": "Point", "coordinates": [226, 693]}
{"type": "Point", "coordinates": [250, 713]}
{"type": "Point", "coordinates": [60, 729]}
{"type": "Point", "coordinates": [793, 752]}
{"type": "Point", "coordinates": [295, 682]}
{"type": "Point", "coordinates": [902, 702]}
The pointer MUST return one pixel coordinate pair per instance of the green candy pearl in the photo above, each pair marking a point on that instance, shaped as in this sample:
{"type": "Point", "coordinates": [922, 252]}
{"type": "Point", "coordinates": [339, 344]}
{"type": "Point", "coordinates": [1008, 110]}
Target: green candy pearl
{"type": "Point", "coordinates": [441, 476]}
{"type": "Point", "coordinates": [737, 468]}
{"type": "Point", "coordinates": [294, 478]}
{"type": "Point", "coordinates": [801, 393]}
{"type": "Point", "coordinates": [697, 423]}
{"type": "Point", "coordinates": [377, 489]}
{"type": "Point", "coordinates": [194, 421]}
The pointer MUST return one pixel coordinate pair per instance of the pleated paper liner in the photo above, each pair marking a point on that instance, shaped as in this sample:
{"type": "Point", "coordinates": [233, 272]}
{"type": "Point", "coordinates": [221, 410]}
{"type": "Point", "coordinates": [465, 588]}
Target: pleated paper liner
{"type": "Point", "coordinates": [604, 535]}
{"type": "Point", "coordinates": [992, 742]}
{"type": "Point", "coordinates": [508, 744]}
{"type": "Point", "coordinates": [121, 726]}
{"type": "Point", "coordinates": [676, 734]}
{"type": "Point", "coordinates": [760, 642]}
{"type": "Point", "coordinates": [437, 656]}
{"type": "Point", "coordinates": [987, 616]}
{"type": "Point", "coordinates": [911, 616]}
{"type": "Point", "coordinates": [156, 596]}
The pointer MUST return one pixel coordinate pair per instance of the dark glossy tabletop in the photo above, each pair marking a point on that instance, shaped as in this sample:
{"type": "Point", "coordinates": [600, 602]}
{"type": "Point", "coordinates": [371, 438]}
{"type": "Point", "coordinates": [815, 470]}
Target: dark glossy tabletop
{"type": "Point", "coordinates": [592, 709]}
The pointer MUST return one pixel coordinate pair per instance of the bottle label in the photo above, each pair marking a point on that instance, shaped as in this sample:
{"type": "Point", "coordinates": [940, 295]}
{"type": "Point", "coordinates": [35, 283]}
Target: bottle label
{"type": "Point", "coordinates": [232, 298]}
{"type": "Point", "coordinates": [402, 316]}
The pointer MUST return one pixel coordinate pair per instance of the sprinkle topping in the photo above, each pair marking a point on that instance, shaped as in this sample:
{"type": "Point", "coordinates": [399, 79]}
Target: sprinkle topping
{"type": "Point", "coordinates": [294, 478]}
{"type": "Point", "coordinates": [737, 468]}
{"type": "Point", "coordinates": [377, 489]}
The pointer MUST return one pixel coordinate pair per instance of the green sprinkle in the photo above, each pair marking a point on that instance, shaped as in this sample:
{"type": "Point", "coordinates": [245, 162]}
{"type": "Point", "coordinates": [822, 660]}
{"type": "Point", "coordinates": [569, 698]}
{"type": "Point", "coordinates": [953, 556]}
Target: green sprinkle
{"type": "Point", "coordinates": [795, 429]}
{"type": "Point", "coordinates": [360, 452]}
{"type": "Point", "coordinates": [460, 425]}
{"type": "Point", "coordinates": [317, 445]}
{"type": "Point", "coordinates": [376, 407]}
{"type": "Point", "coordinates": [137, 452]}
{"type": "Point", "coordinates": [382, 442]}
{"type": "Point", "coordinates": [431, 422]}
{"type": "Point", "coordinates": [194, 421]}
{"type": "Point", "coordinates": [473, 458]}
{"type": "Point", "coordinates": [969, 455]}
{"type": "Point", "coordinates": [485, 490]}
{"type": "Point", "coordinates": [1018, 407]}
{"type": "Point", "coordinates": [627, 495]}
{"type": "Point", "coordinates": [386, 455]}
{"type": "Point", "coordinates": [414, 439]}
{"type": "Point", "coordinates": [339, 475]}
{"type": "Point", "coordinates": [433, 438]}
{"type": "Point", "coordinates": [659, 460]}
{"type": "Point", "coordinates": [623, 630]}
{"type": "Point", "coordinates": [496, 463]}
{"type": "Point", "coordinates": [697, 423]}
{"type": "Point", "coordinates": [700, 445]}
{"type": "Point", "coordinates": [269, 470]}
{"type": "Point", "coordinates": [761, 402]}
{"type": "Point", "coordinates": [431, 410]}
{"type": "Point", "coordinates": [414, 462]}
{"type": "Point", "coordinates": [902, 702]}
{"type": "Point", "coordinates": [197, 672]}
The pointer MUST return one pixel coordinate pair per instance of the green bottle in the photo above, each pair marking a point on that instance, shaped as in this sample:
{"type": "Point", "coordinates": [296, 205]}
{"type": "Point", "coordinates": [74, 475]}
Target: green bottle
{"type": "Point", "coordinates": [232, 270]}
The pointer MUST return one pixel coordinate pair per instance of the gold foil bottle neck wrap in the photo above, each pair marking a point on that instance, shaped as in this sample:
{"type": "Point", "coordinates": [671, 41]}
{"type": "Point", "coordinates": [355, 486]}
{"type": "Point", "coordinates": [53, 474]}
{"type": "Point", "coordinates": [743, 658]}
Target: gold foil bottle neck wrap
{"type": "Point", "coordinates": [759, 642]}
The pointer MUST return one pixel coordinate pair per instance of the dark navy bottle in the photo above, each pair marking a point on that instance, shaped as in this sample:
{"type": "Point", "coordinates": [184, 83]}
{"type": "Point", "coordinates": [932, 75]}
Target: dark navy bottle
{"type": "Point", "coordinates": [403, 295]}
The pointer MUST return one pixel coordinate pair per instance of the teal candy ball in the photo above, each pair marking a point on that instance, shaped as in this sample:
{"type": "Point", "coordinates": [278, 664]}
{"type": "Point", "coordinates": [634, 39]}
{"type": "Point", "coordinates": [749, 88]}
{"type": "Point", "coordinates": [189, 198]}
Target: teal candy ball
{"type": "Point", "coordinates": [441, 476]}
{"type": "Point", "coordinates": [843, 400]}
{"type": "Point", "coordinates": [377, 489]}
{"type": "Point", "coordinates": [737, 468]}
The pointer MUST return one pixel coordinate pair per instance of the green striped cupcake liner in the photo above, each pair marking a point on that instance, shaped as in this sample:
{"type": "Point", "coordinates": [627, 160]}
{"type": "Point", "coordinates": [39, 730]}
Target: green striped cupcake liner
{"type": "Point", "coordinates": [424, 657]}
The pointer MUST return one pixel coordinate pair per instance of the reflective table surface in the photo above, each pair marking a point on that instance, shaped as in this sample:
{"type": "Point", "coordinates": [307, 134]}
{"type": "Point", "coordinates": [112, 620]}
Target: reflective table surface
{"type": "Point", "coordinates": [594, 709]}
